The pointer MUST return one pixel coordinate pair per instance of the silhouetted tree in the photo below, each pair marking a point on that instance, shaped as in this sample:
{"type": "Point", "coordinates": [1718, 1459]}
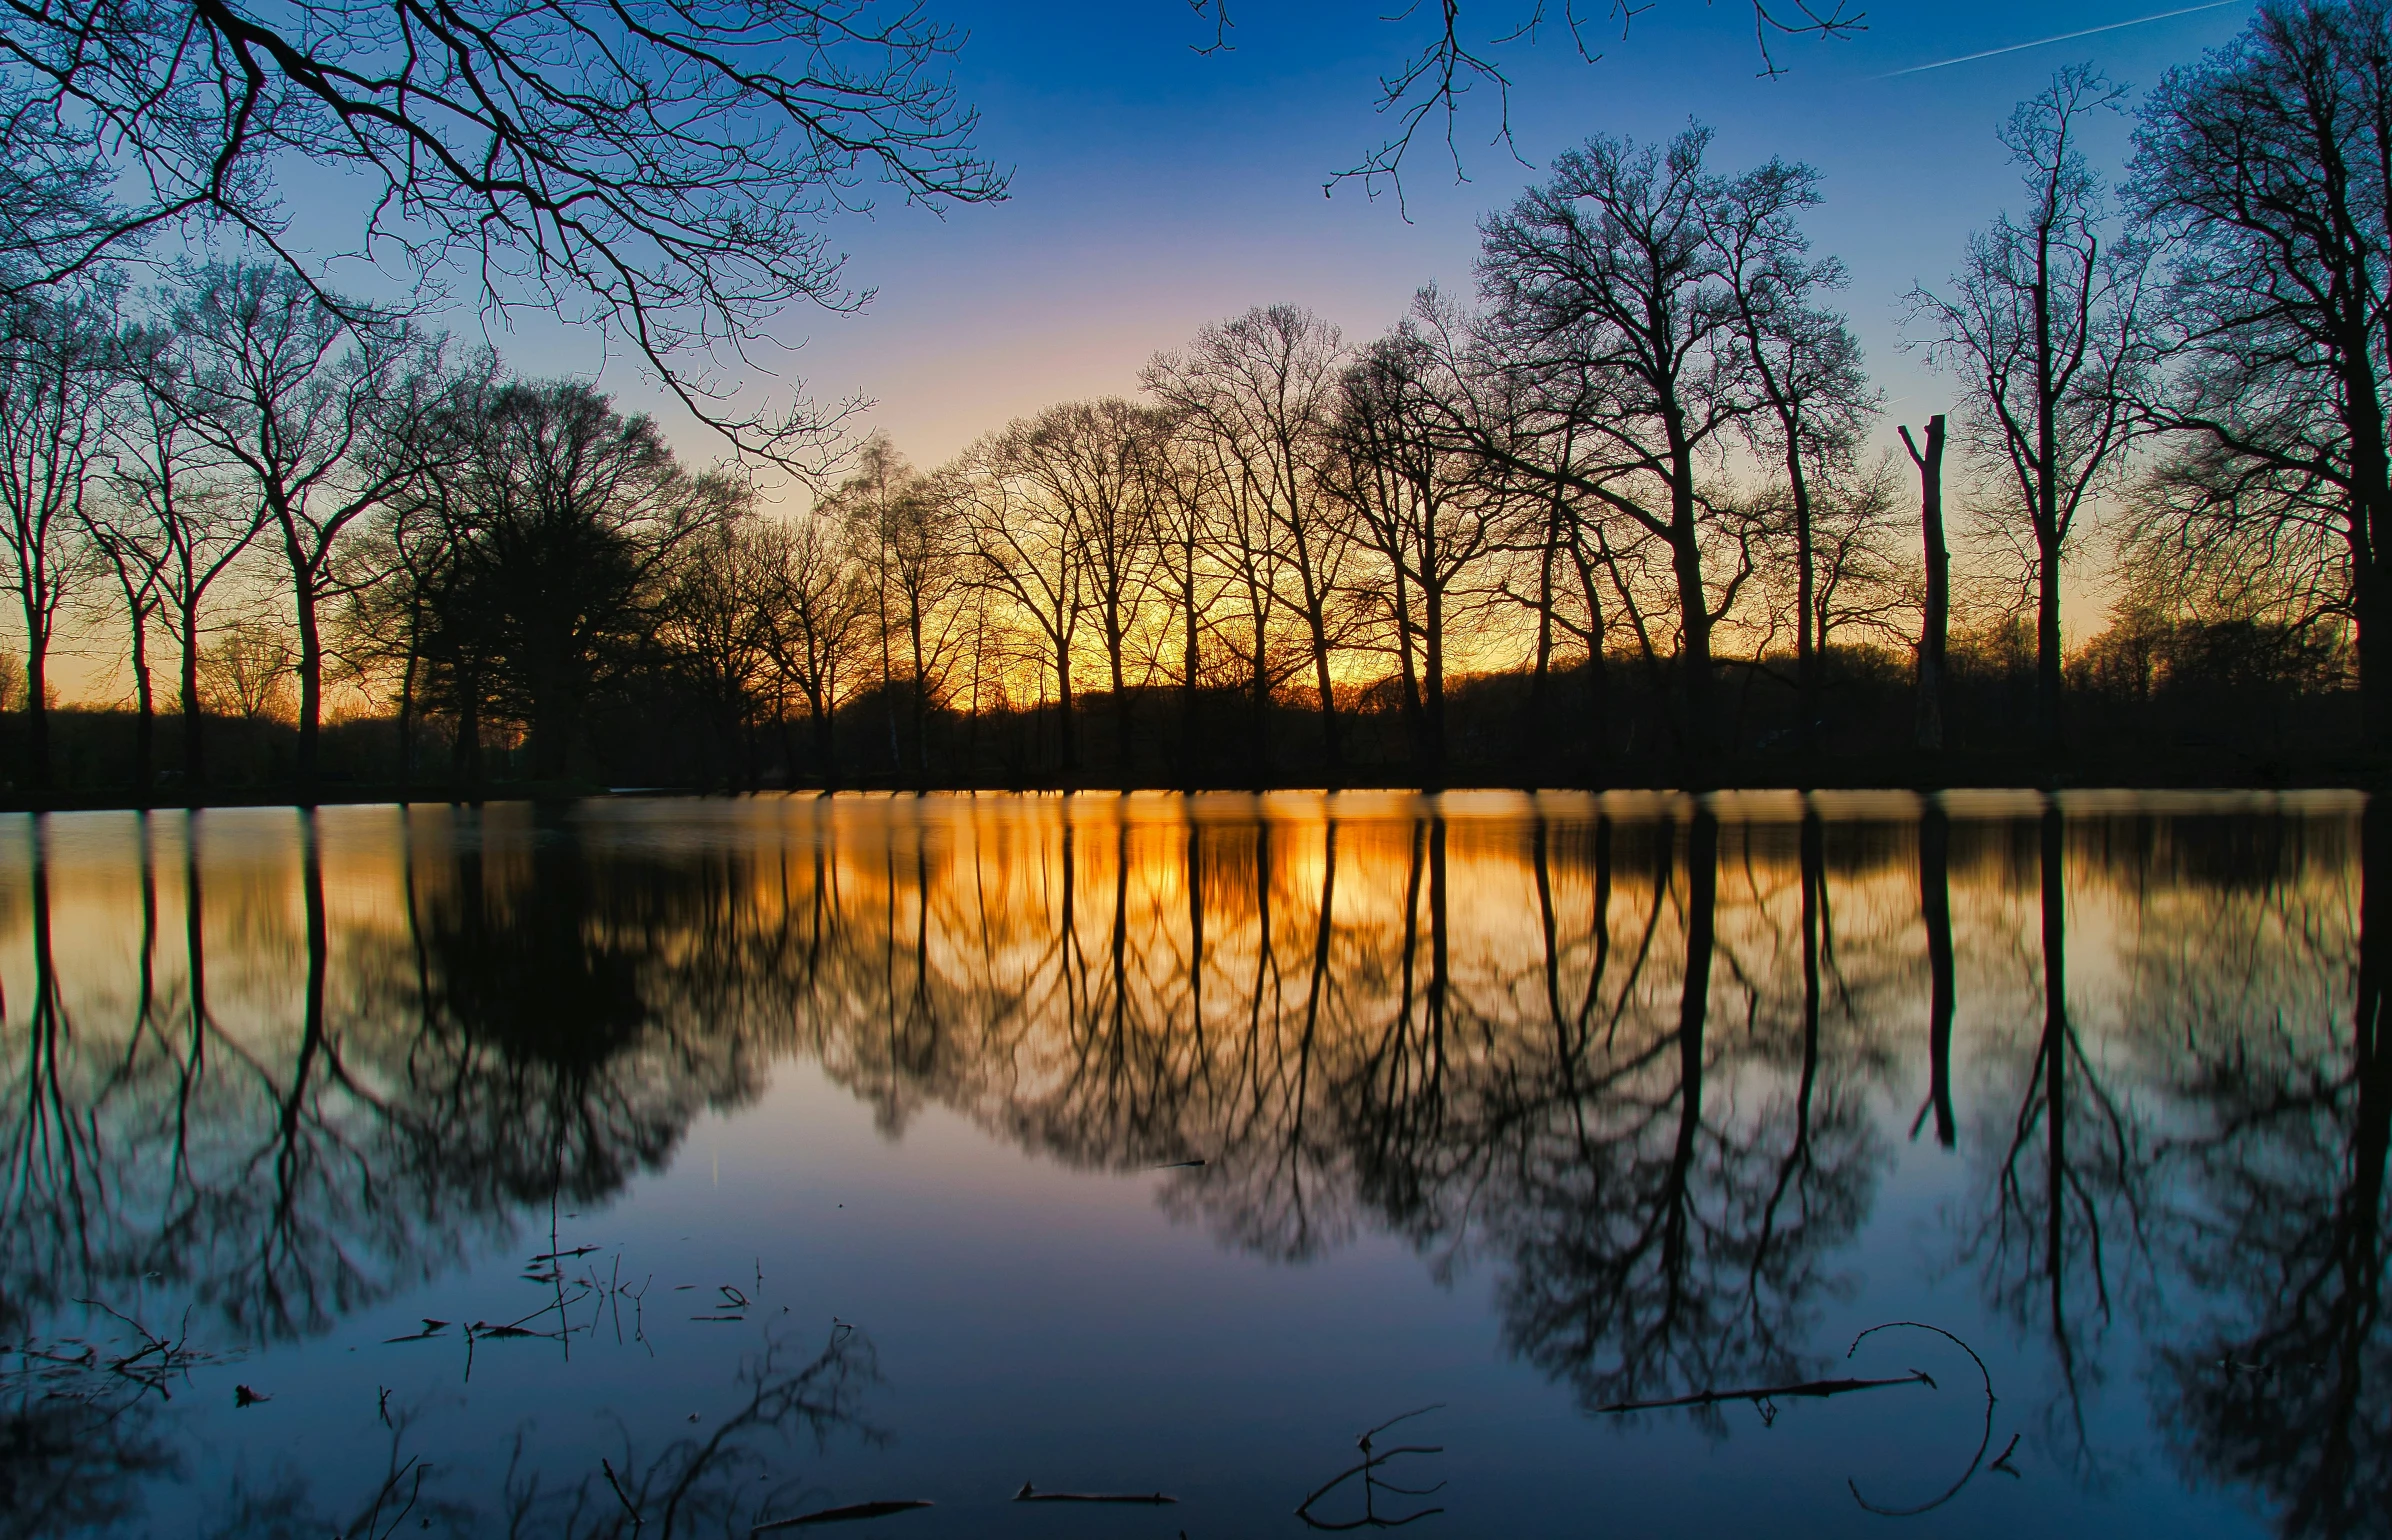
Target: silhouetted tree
{"type": "Point", "coordinates": [2261, 171]}
{"type": "Point", "coordinates": [2044, 327]}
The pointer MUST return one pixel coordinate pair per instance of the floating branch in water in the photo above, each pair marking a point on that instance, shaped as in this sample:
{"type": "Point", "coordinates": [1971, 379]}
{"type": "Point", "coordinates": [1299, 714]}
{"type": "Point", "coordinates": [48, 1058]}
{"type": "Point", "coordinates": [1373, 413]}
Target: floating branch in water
{"type": "Point", "coordinates": [2002, 1463]}
{"type": "Point", "coordinates": [431, 1329]}
{"type": "Point", "coordinates": [1984, 1443]}
{"type": "Point", "coordinates": [1030, 1494]}
{"type": "Point", "coordinates": [1763, 1394]}
{"type": "Point", "coordinates": [842, 1515]}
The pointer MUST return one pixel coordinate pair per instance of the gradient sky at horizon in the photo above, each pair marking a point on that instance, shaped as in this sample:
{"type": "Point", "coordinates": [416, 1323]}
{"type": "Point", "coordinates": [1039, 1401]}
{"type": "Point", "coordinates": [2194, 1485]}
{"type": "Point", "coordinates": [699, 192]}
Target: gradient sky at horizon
{"type": "Point", "coordinates": [1156, 188]}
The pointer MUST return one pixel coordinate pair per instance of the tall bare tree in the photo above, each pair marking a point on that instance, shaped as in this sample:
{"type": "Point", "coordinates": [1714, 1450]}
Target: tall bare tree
{"type": "Point", "coordinates": [820, 598]}
{"type": "Point", "coordinates": [2043, 327]}
{"type": "Point", "coordinates": [1026, 531]}
{"type": "Point", "coordinates": [1613, 305]}
{"type": "Point", "coordinates": [57, 371]}
{"type": "Point", "coordinates": [1426, 508]}
{"type": "Point", "coordinates": [310, 405]}
{"type": "Point", "coordinates": [1263, 386]}
{"type": "Point", "coordinates": [1090, 461]}
{"type": "Point", "coordinates": [909, 533]}
{"type": "Point", "coordinates": [2262, 169]}
{"type": "Point", "coordinates": [1806, 365]}
{"type": "Point", "coordinates": [1936, 620]}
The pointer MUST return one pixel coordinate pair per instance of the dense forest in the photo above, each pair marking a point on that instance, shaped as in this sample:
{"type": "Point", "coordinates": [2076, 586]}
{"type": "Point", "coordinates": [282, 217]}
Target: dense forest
{"type": "Point", "coordinates": [1617, 515]}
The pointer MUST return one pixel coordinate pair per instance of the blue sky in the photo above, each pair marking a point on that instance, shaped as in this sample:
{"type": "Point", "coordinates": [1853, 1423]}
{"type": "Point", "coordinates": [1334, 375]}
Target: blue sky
{"type": "Point", "coordinates": [1156, 188]}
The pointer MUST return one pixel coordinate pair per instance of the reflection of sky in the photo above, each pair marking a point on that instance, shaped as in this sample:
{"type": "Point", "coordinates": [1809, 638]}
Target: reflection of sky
{"type": "Point", "coordinates": [959, 1161]}
{"type": "Point", "coordinates": [1156, 188]}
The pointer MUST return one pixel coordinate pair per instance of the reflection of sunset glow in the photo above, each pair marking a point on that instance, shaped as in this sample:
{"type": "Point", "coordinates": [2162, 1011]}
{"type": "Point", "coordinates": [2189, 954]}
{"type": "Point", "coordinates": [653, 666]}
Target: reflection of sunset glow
{"type": "Point", "coordinates": [1649, 1066]}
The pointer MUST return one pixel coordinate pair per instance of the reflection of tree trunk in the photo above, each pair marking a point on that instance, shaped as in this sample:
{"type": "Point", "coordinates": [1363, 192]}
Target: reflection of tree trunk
{"type": "Point", "coordinates": [1935, 908]}
{"type": "Point", "coordinates": [1440, 947]}
{"type": "Point", "coordinates": [1798, 1154]}
{"type": "Point", "coordinates": [1694, 1005]}
{"type": "Point", "coordinates": [2054, 1072]}
{"type": "Point", "coordinates": [312, 1046]}
{"type": "Point", "coordinates": [1196, 929]}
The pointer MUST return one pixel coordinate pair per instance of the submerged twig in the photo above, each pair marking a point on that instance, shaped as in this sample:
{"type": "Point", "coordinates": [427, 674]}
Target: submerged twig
{"type": "Point", "coordinates": [636, 1520]}
{"type": "Point", "coordinates": [1371, 1485]}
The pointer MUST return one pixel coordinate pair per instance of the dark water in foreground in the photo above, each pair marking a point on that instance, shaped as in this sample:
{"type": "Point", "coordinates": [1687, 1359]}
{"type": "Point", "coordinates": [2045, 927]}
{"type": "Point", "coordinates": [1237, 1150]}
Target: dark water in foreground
{"type": "Point", "coordinates": [862, 1127]}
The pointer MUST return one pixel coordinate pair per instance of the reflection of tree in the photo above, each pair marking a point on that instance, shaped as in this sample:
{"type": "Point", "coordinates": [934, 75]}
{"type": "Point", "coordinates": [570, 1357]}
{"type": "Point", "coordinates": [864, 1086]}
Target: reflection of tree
{"type": "Point", "coordinates": [1659, 1233]}
{"type": "Point", "coordinates": [2287, 1386]}
{"type": "Point", "coordinates": [2067, 1193]}
{"type": "Point", "coordinates": [1622, 1064]}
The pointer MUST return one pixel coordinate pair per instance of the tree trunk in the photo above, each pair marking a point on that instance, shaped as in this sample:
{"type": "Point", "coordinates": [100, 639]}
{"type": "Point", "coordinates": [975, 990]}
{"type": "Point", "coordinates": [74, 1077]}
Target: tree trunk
{"type": "Point", "coordinates": [2049, 724]}
{"type": "Point", "coordinates": [1121, 707]}
{"type": "Point", "coordinates": [1188, 683]}
{"type": "Point", "coordinates": [145, 723]}
{"type": "Point", "coordinates": [1928, 730]}
{"type": "Point", "coordinates": [1696, 729]}
{"type": "Point", "coordinates": [1432, 653]}
{"type": "Point", "coordinates": [1068, 743]}
{"type": "Point", "coordinates": [1807, 661]}
{"type": "Point", "coordinates": [1935, 910]}
{"type": "Point", "coordinates": [406, 723]}
{"type": "Point", "coordinates": [195, 762]}
{"type": "Point", "coordinates": [913, 621]}
{"type": "Point", "coordinates": [825, 749]}
{"type": "Point", "coordinates": [37, 705]}
{"type": "Point", "coordinates": [311, 681]}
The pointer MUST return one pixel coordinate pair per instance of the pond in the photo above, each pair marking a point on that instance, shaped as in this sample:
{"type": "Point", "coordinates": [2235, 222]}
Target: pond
{"type": "Point", "coordinates": [1978, 1165]}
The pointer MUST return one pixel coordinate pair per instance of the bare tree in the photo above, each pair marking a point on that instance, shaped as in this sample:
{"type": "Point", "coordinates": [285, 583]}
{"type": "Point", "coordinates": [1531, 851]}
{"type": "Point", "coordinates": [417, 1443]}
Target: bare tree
{"type": "Point", "coordinates": [1089, 462]}
{"type": "Point", "coordinates": [907, 531]}
{"type": "Point", "coordinates": [1936, 620]}
{"type": "Point", "coordinates": [308, 404]}
{"type": "Point", "coordinates": [1425, 508]}
{"type": "Point", "coordinates": [246, 672]}
{"type": "Point", "coordinates": [2043, 327]}
{"type": "Point", "coordinates": [2262, 170]}
{"type": "Point", "coordinates": [1263, 388]}
{"type": "Point", "coordinates": [661, 169]}
{"type": "Point", "coordinates": [819, 598]}
{"type": "Point", "coordinates": [1806, 365]}
{"type": "Point", "coordinates": [57, 370]}
{"type": "Point", "coordinates": [1184, 492]}
{"type": "Point", "coordinates": [1026, 533]}
{"type": "Point", "coordinates": [1612, 303]}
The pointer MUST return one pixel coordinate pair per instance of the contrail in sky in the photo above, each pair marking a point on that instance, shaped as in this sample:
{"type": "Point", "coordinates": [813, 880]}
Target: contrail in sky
{"type": "Point", "coordinates": [1970, 58]}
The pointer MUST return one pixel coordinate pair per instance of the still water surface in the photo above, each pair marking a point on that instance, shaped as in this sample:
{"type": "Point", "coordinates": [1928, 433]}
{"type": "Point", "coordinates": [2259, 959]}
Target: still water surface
{"type": "Point", "coordinates": [381, 1171]}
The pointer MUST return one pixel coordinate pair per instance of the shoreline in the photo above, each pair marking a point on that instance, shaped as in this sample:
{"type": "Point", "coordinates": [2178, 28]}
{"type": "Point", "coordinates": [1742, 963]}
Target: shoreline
{"type": "Point", "coordinates": [2365, 779]}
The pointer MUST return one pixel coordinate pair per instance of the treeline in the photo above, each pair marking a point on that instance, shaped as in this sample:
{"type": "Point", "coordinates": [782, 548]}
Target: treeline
{"type": "Point", "coordinates": [1613, 517]}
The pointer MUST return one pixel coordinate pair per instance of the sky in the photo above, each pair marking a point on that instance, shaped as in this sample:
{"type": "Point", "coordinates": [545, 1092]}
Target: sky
{"type": "Point", "coordinates": [1156, 187]}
